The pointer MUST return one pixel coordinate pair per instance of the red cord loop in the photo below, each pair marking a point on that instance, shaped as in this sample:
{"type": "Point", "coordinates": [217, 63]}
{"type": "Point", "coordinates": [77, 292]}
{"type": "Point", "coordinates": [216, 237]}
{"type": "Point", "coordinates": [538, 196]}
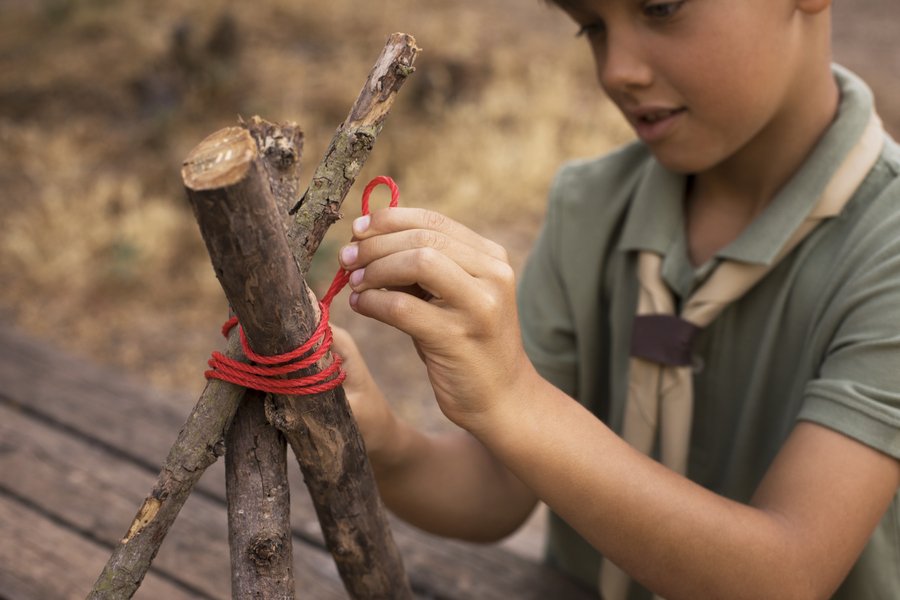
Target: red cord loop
{"type": "Point", "coordinates": [266, 373]}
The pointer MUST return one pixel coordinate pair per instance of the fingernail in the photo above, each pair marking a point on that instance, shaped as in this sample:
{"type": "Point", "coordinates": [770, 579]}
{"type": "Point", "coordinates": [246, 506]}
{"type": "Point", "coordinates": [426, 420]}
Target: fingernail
{"type": "Point", "coordinates": [360, 224]}
{"type": "Point", "coordinates": [354, 299]}
{"type": "Point", "coordinates": [356, 276]}
{"type": "Point", "coordinates": [349, 254]}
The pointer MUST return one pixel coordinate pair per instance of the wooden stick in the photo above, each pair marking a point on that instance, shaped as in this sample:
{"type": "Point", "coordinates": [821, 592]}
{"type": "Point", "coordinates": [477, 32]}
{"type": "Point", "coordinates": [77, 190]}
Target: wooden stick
{"type": "Point", "coordinates": [259, 519]}
{"type": "Point", "coordinates": [238, 217]}
{"type": "Point", "coordinates": [200, 442]}
{"type": "Point", "coordinates": [259, 524]}
{"type": "Point", "coordinates": [350, 147]}
{"type": "Point", "coordinates": [259, 562]}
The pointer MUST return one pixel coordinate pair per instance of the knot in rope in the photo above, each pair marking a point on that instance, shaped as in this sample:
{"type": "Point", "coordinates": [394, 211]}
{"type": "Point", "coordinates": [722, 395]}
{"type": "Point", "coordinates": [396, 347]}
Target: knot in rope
{"type": "Point", "coordinates": [267, 373]}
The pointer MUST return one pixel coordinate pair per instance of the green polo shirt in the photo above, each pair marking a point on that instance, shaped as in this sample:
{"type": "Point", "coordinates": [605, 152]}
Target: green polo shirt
{"type": "Point", "coordinates": [817, 339]}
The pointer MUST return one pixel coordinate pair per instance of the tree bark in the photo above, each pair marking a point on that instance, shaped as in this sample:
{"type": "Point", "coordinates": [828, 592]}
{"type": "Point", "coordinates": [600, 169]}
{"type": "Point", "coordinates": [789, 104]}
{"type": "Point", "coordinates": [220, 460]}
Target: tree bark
{"type": "Point", "coordinates": [200, 441]}
{"type": "Point", "coordinates": [259, 525]}
{"type": "Point", "coordinates": [199, 444]}
{"type": "Point", "coordinates": [259, 519]}
{"type": "Point", "coordinates": [244, 235]}
{"type": "Point", "coordinates": [320, 206]}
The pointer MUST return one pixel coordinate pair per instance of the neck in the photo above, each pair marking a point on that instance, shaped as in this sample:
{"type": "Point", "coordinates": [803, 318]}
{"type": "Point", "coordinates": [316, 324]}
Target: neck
{"type": "Point", "coordinates": [724, 199]}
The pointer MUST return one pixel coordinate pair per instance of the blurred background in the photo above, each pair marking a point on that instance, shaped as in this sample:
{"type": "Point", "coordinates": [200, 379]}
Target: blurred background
{"type": "Point", "coordinates": [101, 100]}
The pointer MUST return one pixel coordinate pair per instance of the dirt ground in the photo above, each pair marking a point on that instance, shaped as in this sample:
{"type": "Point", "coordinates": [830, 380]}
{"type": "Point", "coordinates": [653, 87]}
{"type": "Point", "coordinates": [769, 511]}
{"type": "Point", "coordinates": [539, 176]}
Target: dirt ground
{"type": "Point", "coordinates": [100, 101]}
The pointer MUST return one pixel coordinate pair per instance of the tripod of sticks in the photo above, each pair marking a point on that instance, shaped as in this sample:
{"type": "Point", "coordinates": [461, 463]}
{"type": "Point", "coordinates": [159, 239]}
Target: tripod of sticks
{"type": "Point", "coordinates": [243, 184]}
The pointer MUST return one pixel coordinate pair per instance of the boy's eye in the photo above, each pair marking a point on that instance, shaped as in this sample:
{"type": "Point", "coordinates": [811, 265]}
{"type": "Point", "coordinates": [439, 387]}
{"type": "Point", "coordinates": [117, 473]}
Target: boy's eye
{"type": "Point", "coordinates": [662, 10]}
{"type": "Point", "coordinates": [592, 29]}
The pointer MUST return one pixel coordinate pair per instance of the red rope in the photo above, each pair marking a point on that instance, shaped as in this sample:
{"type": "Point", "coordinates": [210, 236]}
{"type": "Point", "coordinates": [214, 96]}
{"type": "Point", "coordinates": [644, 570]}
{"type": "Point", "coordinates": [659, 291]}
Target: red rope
{"type": "Point", "coordinates": [267, 373]}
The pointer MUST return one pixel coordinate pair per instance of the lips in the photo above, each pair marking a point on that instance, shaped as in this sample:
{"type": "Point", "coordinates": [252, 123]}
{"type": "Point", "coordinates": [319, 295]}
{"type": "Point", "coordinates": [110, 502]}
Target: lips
{"type": "Point", "coordinates": [658, 115]}
{"type": "Point", "coordinates": [654, 123]}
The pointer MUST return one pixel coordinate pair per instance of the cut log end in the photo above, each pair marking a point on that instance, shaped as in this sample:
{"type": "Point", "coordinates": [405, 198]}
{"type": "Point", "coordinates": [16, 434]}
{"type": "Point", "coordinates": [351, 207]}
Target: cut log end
{"type": "Point", "coordinates": [222, 159]}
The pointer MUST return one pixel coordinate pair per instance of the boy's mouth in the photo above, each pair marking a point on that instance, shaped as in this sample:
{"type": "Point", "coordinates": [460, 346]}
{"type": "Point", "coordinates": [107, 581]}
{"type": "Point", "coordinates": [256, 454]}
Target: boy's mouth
{"type": "Point", "coordinates": [653, 124]}
{"type": "Point", "coordinates": [658, 115]}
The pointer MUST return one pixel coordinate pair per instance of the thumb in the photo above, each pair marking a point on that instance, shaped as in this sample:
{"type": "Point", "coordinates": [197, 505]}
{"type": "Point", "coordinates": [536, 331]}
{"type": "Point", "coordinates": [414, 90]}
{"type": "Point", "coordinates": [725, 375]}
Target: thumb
{"type": "Point", "coordinates": [354, 364]}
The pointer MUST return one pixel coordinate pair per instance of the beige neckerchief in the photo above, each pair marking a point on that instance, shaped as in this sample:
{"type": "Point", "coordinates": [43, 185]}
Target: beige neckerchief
{"type": "Point", "coordinates": [660, 387]}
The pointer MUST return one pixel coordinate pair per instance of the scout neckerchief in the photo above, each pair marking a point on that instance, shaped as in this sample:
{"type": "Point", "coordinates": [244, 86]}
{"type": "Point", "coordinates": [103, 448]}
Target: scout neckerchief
{"type": "Point", "coordinates": [660, 387]}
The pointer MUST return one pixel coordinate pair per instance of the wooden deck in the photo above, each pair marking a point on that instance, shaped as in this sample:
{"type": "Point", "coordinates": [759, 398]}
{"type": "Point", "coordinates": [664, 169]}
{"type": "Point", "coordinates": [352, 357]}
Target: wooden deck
{"type": "Point", "coordinates": [80, 447]}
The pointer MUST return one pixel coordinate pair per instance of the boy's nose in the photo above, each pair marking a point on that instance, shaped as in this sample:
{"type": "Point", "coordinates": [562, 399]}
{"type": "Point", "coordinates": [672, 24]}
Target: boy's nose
{"type": "Point", "coordinates": [623, 66]}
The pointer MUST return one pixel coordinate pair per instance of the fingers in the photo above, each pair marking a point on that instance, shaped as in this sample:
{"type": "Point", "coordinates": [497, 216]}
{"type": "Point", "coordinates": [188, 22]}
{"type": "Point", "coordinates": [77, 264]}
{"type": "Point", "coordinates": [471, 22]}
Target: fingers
{"type": "Point", "coordinates": [359, 384]}
{"type": "Point", "coordinates": [403, 219]}
{"type": "Point", "coordinates": [411, 315]}
{"type": "Point", "coordinates": [354, 365]}
{"type": "Point", "coordinates": [467, 281]}
{"type": "Point", "coordinates": [470, 259]}
{"type": "Point", "coordinates": [414, 250]}
{"type": "Point", "coordinates": [462, 305]}
{"type": "Point", "coordinates": [432, 270]}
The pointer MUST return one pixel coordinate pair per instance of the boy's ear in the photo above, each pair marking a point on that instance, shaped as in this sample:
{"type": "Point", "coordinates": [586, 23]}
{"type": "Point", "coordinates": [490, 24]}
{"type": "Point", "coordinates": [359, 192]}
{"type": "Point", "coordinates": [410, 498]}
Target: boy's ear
{"type": "Point", "coordinates": [813, 6]}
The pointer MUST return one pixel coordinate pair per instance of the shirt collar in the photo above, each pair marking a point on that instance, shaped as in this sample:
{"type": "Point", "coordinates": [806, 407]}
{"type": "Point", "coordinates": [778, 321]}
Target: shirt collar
{"type": "Point", "coordinates": [655, 219]}
{"type": "Point", "coordinates": [656, 216]}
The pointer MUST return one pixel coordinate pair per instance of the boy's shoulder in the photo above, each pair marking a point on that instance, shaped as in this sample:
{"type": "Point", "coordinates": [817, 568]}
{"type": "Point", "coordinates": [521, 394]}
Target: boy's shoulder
{"type": "Point", "coordinates": [871, 220]}
{"type": "Point", "coordinates": [589, 202]}
{"type": "Point", "coordinates": [890, 156]}
{"type": "Point", "coordinates": [880, 191]}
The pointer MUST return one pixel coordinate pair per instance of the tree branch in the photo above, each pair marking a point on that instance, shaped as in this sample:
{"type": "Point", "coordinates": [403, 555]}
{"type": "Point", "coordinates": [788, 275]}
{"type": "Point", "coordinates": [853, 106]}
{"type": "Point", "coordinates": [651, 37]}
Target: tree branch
{"type": "Point", "coordinates": [259, 523]}
{"type": "Point", "coordinates": [259, 518]}
{"type": "Point", "coordinates": [320, 205]}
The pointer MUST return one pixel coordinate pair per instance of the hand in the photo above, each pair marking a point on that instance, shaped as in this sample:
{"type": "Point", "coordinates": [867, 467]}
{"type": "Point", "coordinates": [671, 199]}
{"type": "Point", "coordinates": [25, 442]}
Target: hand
{"type": "Point", "coordinates": [465, 325]}
{"type": "Point", "coordinates": [446, 483]}
{"type": "Point", "coordinates": [373, 415]}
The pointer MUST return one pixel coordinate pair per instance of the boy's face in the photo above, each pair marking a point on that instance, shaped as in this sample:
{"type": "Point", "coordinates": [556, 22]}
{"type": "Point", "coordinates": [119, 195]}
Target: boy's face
{"type": "Point", "coordinates": [698, 80]}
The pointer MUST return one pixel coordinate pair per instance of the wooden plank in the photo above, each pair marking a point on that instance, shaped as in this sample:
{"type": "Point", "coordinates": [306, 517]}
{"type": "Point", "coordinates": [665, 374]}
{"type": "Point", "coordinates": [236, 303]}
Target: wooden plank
{"type": "Point", "coordinates": [87, 399]}
{"type": "Point", "coordinates": [40, 559]}
{"type": "Point", "coordinates": [94, 493]}
{"type": "Point", "coordinates": [140, 423]}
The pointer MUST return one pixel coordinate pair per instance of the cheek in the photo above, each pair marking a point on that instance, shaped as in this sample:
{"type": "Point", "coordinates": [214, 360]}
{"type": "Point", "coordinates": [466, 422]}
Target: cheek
{"type": "Point", "coordinates": [731, 86]}
{"type": "Point", "coordinates": [713, 64]}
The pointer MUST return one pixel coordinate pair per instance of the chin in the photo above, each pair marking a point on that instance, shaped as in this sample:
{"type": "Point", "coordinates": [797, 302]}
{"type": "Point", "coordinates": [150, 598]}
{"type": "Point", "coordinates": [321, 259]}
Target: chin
{"type": "Point", "coordinates": [684, 163]}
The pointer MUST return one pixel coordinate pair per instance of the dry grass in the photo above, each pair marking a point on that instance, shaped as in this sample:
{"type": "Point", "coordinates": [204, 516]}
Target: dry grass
{"type": "Point", "coordinates": [100, 101]}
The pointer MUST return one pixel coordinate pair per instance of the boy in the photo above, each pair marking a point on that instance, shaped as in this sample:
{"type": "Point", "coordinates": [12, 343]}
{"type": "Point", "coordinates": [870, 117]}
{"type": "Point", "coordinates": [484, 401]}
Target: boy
{"type": "Point", "coordinates": [745, 246]}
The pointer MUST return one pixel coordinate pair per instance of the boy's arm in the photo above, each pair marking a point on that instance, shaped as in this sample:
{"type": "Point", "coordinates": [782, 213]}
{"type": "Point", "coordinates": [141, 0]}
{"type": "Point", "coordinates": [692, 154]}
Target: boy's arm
{"type": "Point", "coordinates": [447, 483]}
{"type": "Point", "coordinates": [450, 485]}
{"type": "Point", "coordinates": [805, 527]}
{"type": "Point", "coordinates": [811, 516]}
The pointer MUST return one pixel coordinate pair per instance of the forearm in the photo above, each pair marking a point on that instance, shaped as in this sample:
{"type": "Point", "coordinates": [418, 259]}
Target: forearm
{"type": "Point", "coordinates": [672, 535]}
{"type": "Point", "coordinates": [450, 485]}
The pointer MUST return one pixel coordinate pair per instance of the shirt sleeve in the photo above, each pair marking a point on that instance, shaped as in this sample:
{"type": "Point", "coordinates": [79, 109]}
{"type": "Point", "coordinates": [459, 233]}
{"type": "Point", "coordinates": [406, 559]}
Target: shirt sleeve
{"type": "Point", "coordinates": [545, 313]}
{"type": "Point", "coordinates": [858, 389]}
